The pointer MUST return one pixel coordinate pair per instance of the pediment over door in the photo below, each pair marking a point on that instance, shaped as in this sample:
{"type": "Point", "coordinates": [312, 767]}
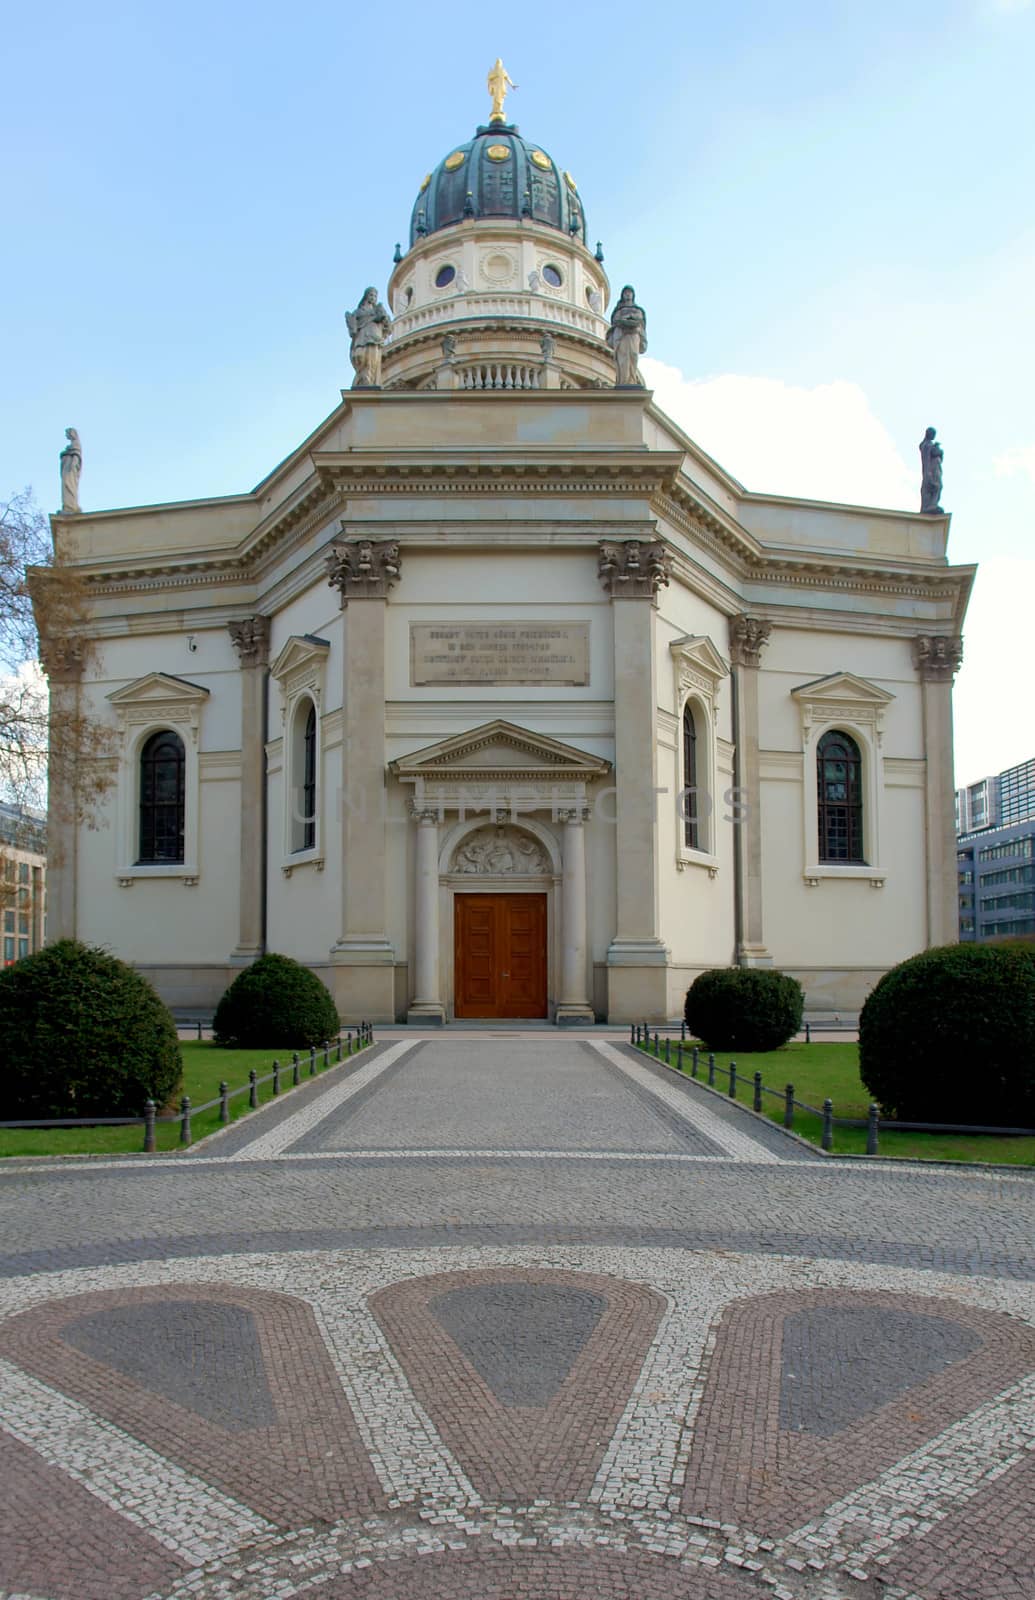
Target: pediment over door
{"type": "Point", "coordinates": [500, 766]}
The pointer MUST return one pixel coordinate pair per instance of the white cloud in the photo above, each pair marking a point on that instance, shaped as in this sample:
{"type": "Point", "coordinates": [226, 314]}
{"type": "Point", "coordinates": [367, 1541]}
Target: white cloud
{"type": "Point", "coordinates": [1020, 459]}
{"type": "Point", "coordinates": [823, 443]}
{"type": "Point", "coordinates": [1005, 8]}
{"type": "Point", "coordinates": [994, 724]}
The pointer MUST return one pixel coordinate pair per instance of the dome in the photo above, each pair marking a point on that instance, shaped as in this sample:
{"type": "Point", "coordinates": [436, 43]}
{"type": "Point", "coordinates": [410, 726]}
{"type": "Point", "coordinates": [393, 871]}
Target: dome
{"type": "Point", "coordinates": [498, 174]}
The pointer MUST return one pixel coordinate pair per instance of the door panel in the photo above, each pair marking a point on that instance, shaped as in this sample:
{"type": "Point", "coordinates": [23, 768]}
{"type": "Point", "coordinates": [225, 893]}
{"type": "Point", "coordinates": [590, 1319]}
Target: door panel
{"type": "Point", "coordinates": [500, 955]}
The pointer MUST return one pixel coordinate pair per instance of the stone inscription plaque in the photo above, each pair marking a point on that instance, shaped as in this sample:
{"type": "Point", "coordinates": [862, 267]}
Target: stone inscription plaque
{"type": "Point", "coordinates": [499, 652]}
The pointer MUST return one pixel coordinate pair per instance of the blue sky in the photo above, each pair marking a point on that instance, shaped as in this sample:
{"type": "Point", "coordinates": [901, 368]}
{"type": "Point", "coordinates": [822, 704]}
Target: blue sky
{"type": "Point", "coordinates": [826, 211]}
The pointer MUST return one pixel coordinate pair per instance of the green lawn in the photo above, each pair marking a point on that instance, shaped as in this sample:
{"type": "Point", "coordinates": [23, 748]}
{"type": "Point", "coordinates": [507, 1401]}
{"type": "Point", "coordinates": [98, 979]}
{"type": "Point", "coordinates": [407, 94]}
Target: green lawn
{"type": "Point", "coordinates": [204, 1065]}
{"type": "Point", "coordinates": [831, 1071]}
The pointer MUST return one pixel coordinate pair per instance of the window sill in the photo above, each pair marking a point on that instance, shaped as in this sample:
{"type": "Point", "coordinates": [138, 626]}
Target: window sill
{"type": "Point", "coordinates": [302, 858]}
{"type": "Point", "coordinates": [697, 858]}
{"type": "Point", "coordinates": [186, 872]}
{"type": "Point", "coordinates": [860, 873]}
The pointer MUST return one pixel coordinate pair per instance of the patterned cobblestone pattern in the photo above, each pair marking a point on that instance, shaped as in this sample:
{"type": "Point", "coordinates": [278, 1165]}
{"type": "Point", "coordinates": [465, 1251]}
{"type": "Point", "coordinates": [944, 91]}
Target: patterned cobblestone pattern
{"type": "Point", "coordinates": [514, 1320]}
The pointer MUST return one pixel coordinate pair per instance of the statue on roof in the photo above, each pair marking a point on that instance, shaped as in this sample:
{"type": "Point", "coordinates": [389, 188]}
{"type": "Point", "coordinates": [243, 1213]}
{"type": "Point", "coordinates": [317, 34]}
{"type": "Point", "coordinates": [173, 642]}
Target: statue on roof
{"type": "Point", "coordinates": [368, 325]}
{"type": "Point", "coordinates": [931, 455]}
{"type": "Point", "coordinates": [498, 82]}
{"type": "Point", "coordinates": [627, 337]}
{"type": "Point", "coordinates": [71, 467]}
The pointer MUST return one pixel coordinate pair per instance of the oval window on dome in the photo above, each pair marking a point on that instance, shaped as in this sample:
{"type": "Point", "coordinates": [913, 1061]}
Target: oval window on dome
{"type": "Point", "coordinates": [541, 160]}
{"type": "Point", "coordinates": [553, 275]}
{"type": "Point", "coordinates": [457, 159]}
{"type": "Point", "coordinates": [444, 276]}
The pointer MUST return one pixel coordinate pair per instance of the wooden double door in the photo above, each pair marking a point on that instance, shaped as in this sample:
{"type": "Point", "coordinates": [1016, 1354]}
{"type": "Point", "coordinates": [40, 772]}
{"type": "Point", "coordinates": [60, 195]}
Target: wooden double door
{"type": "Point", "coordinates": [500, 956]}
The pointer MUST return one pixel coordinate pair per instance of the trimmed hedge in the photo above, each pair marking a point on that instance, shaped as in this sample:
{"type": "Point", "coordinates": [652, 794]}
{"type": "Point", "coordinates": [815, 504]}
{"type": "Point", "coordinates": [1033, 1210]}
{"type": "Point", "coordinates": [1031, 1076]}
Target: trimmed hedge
{"type": "Point", "coordinates": [275, 1004]}
{"type": "Point", "coordinates": [744, 1008]}
{"type": "Point", "coordinates": [82, 1034]}
{"type": "Point", "coordinates": [949, 1036]}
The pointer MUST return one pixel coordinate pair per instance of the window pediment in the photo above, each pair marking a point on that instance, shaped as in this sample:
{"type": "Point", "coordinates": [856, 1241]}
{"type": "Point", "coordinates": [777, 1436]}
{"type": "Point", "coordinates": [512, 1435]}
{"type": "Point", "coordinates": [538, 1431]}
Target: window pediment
{"type": "Point", "coordinates": [159, 697]}
{"type": "Point", "coordinates": [300, 666]}
{"type": "Point", "coordinates": [841, 697]}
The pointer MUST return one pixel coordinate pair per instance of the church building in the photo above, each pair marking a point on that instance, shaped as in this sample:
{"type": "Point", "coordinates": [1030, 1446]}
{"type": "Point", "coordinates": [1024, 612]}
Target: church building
{"type": "Point", "coordinates": [498, 698]}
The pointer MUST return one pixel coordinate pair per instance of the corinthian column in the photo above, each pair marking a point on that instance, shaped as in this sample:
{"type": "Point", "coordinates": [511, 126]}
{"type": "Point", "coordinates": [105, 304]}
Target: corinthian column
{"type": "Point", "coordinates": [363, 572]}
{"type": "Point", "coordinates": [251, 639]}
{"type": "Point", "coordinates": [573, 1007]}
{"type": "Point", "coordinates": [937, 658]}
{"type": "Point", "coordinates": [748, 637]}
{"type": "Point", "coordinates": [426, 1007]}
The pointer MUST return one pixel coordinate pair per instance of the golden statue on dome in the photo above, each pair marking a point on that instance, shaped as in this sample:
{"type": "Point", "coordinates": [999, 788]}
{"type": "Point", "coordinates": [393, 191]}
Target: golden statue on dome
{"type": "Point", "coordinates": [498, 82]}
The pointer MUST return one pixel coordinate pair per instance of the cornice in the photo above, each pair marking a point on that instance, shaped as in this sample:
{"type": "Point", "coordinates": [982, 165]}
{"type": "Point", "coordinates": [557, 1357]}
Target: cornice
{"type": "Point", "coordinates": [459, 472]}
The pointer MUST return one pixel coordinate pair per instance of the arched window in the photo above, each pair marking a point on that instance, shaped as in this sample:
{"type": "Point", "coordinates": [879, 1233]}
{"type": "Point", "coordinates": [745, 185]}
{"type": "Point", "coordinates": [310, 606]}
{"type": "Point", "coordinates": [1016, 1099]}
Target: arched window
{"type": "Point", "coordinates": [839, 775]}
{"type": "Point", "coordinates": [162, 789]}
{"type": "Point", "coordinates": [309, 780]}
{"type": "Point", "coordinates": [690, 797]}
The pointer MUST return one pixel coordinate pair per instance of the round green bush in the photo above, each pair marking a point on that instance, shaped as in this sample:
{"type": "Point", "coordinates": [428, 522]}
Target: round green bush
{"type": "Point", "coordinates": [82, 1034]}
{"type": "Point", "coordinates": [949, 1036]}
{"type": "Point", "coordinates": [275, 1004]}
{"type": "Point", "coordinates": [744, 1008]}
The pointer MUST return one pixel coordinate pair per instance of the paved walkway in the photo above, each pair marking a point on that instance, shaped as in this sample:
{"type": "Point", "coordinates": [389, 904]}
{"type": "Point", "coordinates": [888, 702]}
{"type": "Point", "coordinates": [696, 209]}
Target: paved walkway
{"type": "Point", "coordinates": [478, 1319]}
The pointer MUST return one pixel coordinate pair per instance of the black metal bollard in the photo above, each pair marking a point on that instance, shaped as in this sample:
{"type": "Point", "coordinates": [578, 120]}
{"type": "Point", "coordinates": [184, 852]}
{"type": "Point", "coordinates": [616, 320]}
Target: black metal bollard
{"type": "Point", "coordinates": [657, 1044]}
{"type": "Point", "coordinates": [253, 1088]}
{"type": "Point", "coordinates": [872, 1130]}
{"type": "Point", "coordinates": [276, 1077]}
{"type": "Point", "coordinates": [185, 1120]}
{"type": "Point", "coordinates": [682, 1029]}
{"type": "Point", "coordinates": [326, 1053]}
{"type": "Point", "coordinates": [199, 1032]}
{"type": "Point", "coordinates": [757, 1103]}
{"type": "Point", "coordinates": [679, 1055]}
{"type": "Point", "coordinates": [808, 1033]}
{"type": "Point", "coordinates": [711, 1071]}
{"type": "Point", "coordinates": [337, 1046]}
{"type": "Point", "coordinates": [295, 1070]}
{"type": "Point", "coordinates": [632, 1033]}
{"type": "Point", "coordinates": [828, 1125]}
{"type": "Point", "coordinates": [312, 1061]}
{"type": "Point", "coordinates": [348, 1042]}
{"type": "Point", "coordinates": [694, 1060]}
{"type": "Point", "coordinates": [733, 1080]}
{"type": "Point", "coordinates": [788, 1106]}
{"type": "Point", "coordinates": [149, 1127]}
{"type": "Point", "coordinates": [224, 1102]}
{"type": "Point", "coordinates": [668, 1051]}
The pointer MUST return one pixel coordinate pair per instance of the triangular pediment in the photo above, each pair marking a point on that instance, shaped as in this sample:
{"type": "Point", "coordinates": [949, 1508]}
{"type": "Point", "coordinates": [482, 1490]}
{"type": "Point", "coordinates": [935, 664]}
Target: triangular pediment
{"type": "Point", "coordinates": [697, 650]}
{"type": "Point", "coordinates": [500, 749]}
{"type": "Point", "coordinates": [301, 650]}
{"type": "Point", "coordinates": [841, 686]}
{"type": "Point", "coordinates": [158, 688]}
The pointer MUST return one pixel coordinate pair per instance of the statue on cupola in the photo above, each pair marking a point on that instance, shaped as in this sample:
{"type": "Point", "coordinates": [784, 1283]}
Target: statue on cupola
{"type": "Point", "coordinates": [497, 83]}
{"type": "Point", "coordinates": [368, 326]}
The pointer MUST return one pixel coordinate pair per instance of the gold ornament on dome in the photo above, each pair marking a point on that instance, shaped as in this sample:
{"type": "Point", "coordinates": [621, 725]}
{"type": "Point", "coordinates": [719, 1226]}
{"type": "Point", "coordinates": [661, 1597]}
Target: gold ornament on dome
{"type": "Point", "coordinates": [424, 185]}
{"type": "Point", "coordinates": [541, 160]}
{"type": "Point", "coordinates": [497, 83]}
{"type": "Point", "coordinates": [457, 159]}
{"type": "Point", "coordinates": [570, 181]}
{"type": "Point", "coordinates": [498, 152]}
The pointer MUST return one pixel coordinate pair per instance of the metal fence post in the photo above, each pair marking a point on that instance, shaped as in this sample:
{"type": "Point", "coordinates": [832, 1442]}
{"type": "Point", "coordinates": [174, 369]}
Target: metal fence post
{"type": "Point", "coordinates": [224, 1101]}
{"type": "Point", "coordinates": [694, 1060]}
{"type": "Point", "coordinates": [682, 1029]}
{"type": "Point", "coordinates": [199, 1031]}
{"type": "Point", "coordinates": [711, 1070]}
{"type": "Point", "coordinates": [149, 1127]}
{"type": "Point", "coordinates": [312, 1061]}
{"type": "Point", "coordinates": [668, 1050]}
{"type": "Point", "coordinates": [326, 1053]}
{"type": "Point", "coordinates": [733, 1080]}
{"type": "Point", "coordinates": [828, 1125]}
{"type": "Point", "coordinates": [758, 1091]}
{"type": "Point", "coordinates": [348, 1042]}
{"type": "Point", "coordinates": [808, 1034]}
{"type": "Point", "coordinates": [657, 1045]}
{"type": "Point", "coordinates": [632, 1033]}
{"type": "Point", "coordinates": [253, 1088]}
{"type": "Point", "coordinates": [185, 1120]}
{"type": "Point", "coordinates": [679, 1055]}
{"type": "Point", "coordinates": [872, 1131]}
{"type": "Point", "coordinates": [276, 1077]}
{"type": "Point", "coordinates": [788, 1106]}
{"type": "Point", "coordinates": [338, 1050]}
{"type": "Point", "coordinates": [295, 1072]}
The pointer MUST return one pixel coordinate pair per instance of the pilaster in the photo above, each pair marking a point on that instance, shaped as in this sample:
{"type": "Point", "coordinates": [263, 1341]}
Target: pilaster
{"type": "Point", "coordinates": [748, 637]}
{"type": "Point", "coordinates": [250, 637]}
{"type": "Point", "coordinates": [63, 663]}
{"type": "Point", "coordinates": [937, 659]}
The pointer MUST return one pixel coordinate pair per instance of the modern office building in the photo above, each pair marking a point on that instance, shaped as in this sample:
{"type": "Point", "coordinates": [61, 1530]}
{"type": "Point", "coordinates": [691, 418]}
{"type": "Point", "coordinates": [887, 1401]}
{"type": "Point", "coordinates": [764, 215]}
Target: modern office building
{"type": "Point", "coordinates": [23, 876]}
{"type": "Point", "coordinates": [995, 854]}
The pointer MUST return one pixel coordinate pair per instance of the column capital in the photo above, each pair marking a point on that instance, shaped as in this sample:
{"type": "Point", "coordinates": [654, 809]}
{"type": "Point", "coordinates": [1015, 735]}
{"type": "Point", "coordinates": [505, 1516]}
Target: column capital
{"type": "Point", "coordinates": [574, 816]}
{"type": "Point", "coordinates": [250, 637]}
{"type": "Point", "coordinates": [62, 657]}
{"type": "Point", "coordinates": [634, 569]}
{"type": "Point", "coordinates": [937, 657]}
{"type": "Point", "coordinates": [363, 569]}
{"type": "Point", "coordinates": [424, 813]}
{"type": "Point", "coordinates": [748, 637]}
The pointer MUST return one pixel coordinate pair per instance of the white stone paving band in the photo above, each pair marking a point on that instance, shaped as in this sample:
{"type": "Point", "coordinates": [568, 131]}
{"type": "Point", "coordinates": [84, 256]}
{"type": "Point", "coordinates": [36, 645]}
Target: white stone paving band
{"type": "Point", "coordinates": [192, 1518]}
{"type": "Point", "coordinates": [738, 1146]}
{"type": "Point", "coordinates": [286, 1133]}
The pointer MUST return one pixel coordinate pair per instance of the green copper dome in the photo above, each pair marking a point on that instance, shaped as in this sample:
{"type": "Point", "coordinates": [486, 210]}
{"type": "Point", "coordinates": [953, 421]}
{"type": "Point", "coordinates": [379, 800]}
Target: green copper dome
{"type": "Point", "coordinates": [497, 174]}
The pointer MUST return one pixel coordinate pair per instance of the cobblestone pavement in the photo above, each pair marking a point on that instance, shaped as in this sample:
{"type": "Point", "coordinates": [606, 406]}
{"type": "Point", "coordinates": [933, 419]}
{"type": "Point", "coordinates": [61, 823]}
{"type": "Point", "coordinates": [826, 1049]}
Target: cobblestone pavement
{"type": "Point", "coordinates": [518, 1319]}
